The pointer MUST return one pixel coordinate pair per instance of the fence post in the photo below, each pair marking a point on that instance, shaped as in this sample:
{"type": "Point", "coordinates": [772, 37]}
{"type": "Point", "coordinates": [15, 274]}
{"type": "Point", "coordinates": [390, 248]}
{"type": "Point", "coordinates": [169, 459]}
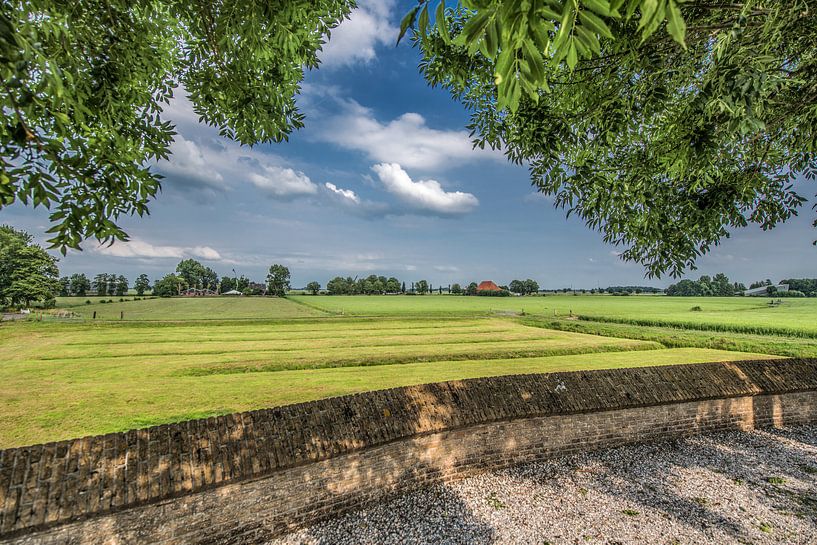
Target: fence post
{"type": "Point", "coordinates": [121, 314]}
{"type": "Point", "coordinates": [94, 315]}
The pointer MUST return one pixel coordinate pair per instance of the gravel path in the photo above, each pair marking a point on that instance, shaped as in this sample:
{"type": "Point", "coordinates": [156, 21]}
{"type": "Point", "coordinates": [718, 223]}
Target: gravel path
{"type": "Point", "coordinates": [758, 487]}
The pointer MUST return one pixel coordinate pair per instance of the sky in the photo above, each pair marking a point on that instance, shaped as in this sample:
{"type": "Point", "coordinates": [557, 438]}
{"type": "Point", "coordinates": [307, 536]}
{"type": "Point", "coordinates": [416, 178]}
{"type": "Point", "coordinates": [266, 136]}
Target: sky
{"type": "Point", "coordinates": [382, 180]}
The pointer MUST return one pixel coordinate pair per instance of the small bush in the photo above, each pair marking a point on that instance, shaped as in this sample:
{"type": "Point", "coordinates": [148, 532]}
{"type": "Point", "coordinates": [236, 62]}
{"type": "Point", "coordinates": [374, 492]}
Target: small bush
{"type": "Point", "coordinates": [110, 300]}
{"type": "Point", "coordinates": [87, 301]}
{"type": "Point", "coordinates": [121, 300]}
{"type": "Point", "coordinates": [696, 308]}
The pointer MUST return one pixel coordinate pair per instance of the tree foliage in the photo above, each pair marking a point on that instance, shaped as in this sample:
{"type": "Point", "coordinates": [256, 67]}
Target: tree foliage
{"type": "Point", "coordinates": [314, 287]}
{"type": "Point", "coordinates": [142, 284]}
{"type": "Point", "coordinates": [197, 275]}
{"type": "Point", "coordinates": [719, 286]}
{"type": "Point", "coordinates": [84, 84]}
{"type": "Point", "coordinates": [169, 285]}
{"type": "Point", "coordinates": [278, 280]}
{"type": "Point", "coordinates": [27, 272]}
{"type": "Point", "coordinates": [664, 124]}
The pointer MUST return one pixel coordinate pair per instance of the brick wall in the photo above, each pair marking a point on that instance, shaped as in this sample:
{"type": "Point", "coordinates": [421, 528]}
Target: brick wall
{"type": "Point", "coordinates": [242, 478]}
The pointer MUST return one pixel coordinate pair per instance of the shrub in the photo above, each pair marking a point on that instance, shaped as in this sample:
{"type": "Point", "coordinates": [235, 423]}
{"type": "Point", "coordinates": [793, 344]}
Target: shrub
{"type": "Point", "coordinates": [87, 301]}
{"type": "Point", "coordinates": [696, 308]}
{"type": "Point", "coordinates": [50, 303]}
{"type": "Point", "coordinates": [121, 300]}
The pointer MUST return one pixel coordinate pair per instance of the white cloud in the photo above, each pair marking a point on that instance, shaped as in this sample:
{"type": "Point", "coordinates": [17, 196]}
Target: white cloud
{"type": "Point", "coordinates": [187, 161]}
{"type": "Point", "coordinates": [406, 140]}
{"type": "Point", "coordinates": [283, 182]}
{"type": "Point", "coordinates": [137, 248]}
{"type": "Point", "coordinates": [345, 195]}
{"type": "Point", "coordinates": [355, 40]}
{"type": "Point", "coordinates": [446, 268]}
{"type": "Point", "coordinates": [424, 195]}
{"type": "Point", "coordinates": [215, 164]}
{"type": "Point", "coordinates": [352, 202]}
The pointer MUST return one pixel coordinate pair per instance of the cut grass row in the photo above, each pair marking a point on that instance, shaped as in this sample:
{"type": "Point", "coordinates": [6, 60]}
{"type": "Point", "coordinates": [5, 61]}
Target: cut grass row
{"type": "Point", "coordinates": [322, 345]}
{"type": "Point", "coordinates": [49, 403]}
{"type": "Point", "coordinates": [674, 337]}
{"type": "Point", "coordinates": [754, 329]}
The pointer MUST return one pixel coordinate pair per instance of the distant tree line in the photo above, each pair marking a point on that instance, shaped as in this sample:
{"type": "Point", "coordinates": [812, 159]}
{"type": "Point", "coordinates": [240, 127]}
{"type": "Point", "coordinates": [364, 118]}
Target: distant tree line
{"type": "Point", "coordinates": [807, 286]}
{"type": "Point", "coordinates": [524, 287]}
{"type": "Point", "coordinates": [717, 286]}
{"type": "Point", "coordinates": [371, 285]}
{"type": "Point", "coordinates": [192, 274]}
{"type": "Point", "coordinates": [616, 290]}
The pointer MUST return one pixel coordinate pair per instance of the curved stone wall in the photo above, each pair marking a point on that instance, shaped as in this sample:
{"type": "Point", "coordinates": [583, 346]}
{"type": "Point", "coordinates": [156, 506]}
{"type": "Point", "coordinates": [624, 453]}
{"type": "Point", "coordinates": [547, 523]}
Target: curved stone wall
{"type": "Point", "coordinates": [245, 477]}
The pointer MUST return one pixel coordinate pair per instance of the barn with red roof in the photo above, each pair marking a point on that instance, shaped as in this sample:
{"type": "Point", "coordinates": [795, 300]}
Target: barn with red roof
{"type": "Point", "coordinates": [488, 285]}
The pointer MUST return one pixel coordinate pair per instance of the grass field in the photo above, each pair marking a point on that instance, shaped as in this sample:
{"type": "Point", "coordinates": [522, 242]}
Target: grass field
{"type": "Point", "coordinates": [183, 309]}
{"type": "Point", "coordinates": [744, 314]}
{"type": "Point", "coordinates": [175, 359]}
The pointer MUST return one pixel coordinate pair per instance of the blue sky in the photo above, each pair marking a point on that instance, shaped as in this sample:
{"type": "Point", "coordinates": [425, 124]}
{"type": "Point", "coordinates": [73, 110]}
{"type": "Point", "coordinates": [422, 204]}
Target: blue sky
{"type": "Point", "coordinates": [383, 180]}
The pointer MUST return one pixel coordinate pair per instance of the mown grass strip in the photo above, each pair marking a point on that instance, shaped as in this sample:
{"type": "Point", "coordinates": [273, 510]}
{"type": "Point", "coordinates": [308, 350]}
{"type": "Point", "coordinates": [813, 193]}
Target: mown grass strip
{"type": "Point", "coordinates": [671, 337]}
{"type": "Point", "coordinates": [290, 335]}
{"type": "Point", "coordinates": [754, 329]}
{"type": "Point", "coordinates": [399, 359]}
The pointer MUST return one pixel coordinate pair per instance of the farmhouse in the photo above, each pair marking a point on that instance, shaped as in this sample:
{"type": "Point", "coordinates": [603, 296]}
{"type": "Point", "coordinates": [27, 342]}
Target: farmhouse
{"type": "Point", "coordinates": [196, 292]}
{"type": "Point", "coordinates": [488, 285]}
{"type": "Point", "coordinates": [764, 290]}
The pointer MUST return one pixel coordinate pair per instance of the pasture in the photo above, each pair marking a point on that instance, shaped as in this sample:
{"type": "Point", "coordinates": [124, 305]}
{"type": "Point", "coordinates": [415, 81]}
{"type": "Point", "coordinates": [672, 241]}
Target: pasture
{"type": "Point", "coordinates": [187, 308]}
{"type": "Point", "coordinates": [176, 359]}
{"type": "Point", "coordinates": [745, 314]}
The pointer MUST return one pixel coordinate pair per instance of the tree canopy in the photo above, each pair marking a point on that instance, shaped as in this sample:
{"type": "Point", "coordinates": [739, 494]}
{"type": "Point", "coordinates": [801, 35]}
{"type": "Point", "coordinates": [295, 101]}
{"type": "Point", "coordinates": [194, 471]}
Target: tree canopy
{"type": "Point", "coordinates": [27, 272]}
{"type": "Point", "coordinates": [663, 124]}
{"type": "Point", "coordinates": [278, 280]}
{"type": "Point", "coordinates": [84, 84]}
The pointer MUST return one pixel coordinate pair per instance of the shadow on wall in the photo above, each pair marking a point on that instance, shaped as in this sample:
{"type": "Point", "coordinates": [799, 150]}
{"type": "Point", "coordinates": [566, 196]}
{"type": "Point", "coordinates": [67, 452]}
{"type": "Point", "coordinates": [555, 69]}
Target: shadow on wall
{"type": "Point", "coordinates": [435, 514]}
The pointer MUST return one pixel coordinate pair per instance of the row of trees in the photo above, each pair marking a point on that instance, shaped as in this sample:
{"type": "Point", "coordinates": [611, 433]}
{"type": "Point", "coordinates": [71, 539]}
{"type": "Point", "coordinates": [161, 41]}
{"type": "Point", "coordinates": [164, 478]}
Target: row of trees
{"type": "Point", "coordinates": [192, 274]}
{"type": "Point", "coordinates": [371, 285]}
{"type": "Point", "coordinates": [719, 286]}
{"type": "Point", "coordinates": [524, 287]}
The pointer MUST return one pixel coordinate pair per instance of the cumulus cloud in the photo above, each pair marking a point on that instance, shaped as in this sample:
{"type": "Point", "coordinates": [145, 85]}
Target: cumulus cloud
{"type": "Point", "coordinates": [345, 195]}
{"type": "Point", "coordinates": [426, 196]}
{"type": "Point", "coordinates": [406, 140]}
{"type": "Point", "coordinates": [351, 201]}
{"type": "Point", "coordinates": [283, 182]}
{"type": "Point", "coordinates": [201, 159]}
{"type": "Point", "coordinates": [187, 161]}
{"type": "Point", "coordinates": [356, 39]}
{"type": "Point", "coordinates": [137, 248]}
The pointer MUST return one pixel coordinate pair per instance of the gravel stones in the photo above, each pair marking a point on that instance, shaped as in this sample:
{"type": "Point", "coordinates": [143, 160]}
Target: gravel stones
{"type": "Point", "coordinates": [740, 487]}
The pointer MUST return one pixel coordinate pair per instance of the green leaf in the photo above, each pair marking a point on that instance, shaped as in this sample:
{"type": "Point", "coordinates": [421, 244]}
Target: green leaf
{"type": "Point", "coordinates": [595, 24]}
{"type": "Point", "coordinates": [572, 58]}
{"type": "Point", "coordinates": [601, 7]}
{"type": "Point", "coordinates": [407, 22]}
{"type": "Point", "coordinates": [442, 25]}
{"type": "Point", "coordinates": [474, 28]}
{"type": "Point", "coordinates": [422, 23]}
{"type": "Point", "coordinates": [675, 23]}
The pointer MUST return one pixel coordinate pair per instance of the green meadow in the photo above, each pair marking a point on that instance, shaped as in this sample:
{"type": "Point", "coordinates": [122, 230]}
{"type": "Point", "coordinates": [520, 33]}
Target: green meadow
{"type": "Point", "coordinates": [152, 361]}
